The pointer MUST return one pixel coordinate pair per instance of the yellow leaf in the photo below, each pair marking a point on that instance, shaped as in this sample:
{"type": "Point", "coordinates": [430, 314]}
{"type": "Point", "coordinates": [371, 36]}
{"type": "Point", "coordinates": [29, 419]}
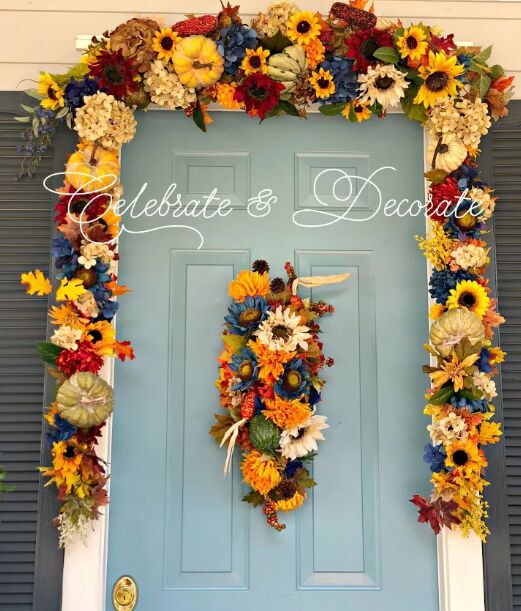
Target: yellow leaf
{"type": "Point", "coordinates": [69, 290]}
{"type": "Point", "coordinates": [36, 283]}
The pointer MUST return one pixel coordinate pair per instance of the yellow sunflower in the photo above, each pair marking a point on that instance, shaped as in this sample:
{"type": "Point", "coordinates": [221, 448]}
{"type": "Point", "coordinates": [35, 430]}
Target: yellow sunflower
{"type": "Point", "coordinates": [361, 111]}
{"type": "Point", "coordinates": [303, 27]}
{"type": "Point", "coordinates": [225, 96]}
{"type": "Point", "coordinates": [471, 295]}
{"type": "Point", "coordinates": [102, 336]}
{"type": "Point", "coordinates": [249, 284]}
{"type": "Point", "coordinates": [323, 83]}
{"type": "Point", "coordinates": [413, 44]}
{"type": "Point", "coordinates": [439, 79]}
{"type": "Point", "coordinates": [53, 93]}
{"type": "Point", "coordinates": [66, 461]}
{"type": "Point", "coordinates": [255, 61]}
{"type": "Point", "coordinates": [287, 414]}
{"type": "Point", "coordinates": [465, 455]}
{"type": "Point", "coordinates": [290, 504]}
{"type": "Point", "coordinates": [260, 472]}
{"type": "Point", "coordinates": [164, 43]}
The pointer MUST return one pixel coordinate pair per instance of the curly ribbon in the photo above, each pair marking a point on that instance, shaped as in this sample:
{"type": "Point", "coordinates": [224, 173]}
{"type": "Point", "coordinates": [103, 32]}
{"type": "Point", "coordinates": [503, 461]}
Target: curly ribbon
{"type": "Point", "coordinates": [313, 281]}
{"type": "Point", "coordinates": [231, 436]}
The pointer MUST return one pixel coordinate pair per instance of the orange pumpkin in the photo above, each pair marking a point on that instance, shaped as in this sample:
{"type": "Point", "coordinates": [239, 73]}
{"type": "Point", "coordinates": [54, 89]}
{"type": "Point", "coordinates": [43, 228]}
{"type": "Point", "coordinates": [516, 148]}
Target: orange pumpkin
{"type": "Point", "coordinates": [93, 167]}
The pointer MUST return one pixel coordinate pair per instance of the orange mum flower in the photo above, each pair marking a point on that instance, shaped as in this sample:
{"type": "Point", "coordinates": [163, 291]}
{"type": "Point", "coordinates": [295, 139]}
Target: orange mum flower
{"type": "Point", "coordinates": [287, 414]}
{"type": "Point", "coordinates": [249, 284]}
{"type": "Point", "coordinates": [315, 53]}
{"type": "Point", "coordinates": [271, 362]}
{"type": "Point", "coordinates": [260, 472]}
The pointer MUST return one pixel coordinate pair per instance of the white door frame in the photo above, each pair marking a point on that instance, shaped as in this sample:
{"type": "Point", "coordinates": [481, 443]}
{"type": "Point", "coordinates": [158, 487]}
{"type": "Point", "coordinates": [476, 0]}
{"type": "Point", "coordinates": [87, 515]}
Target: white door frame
{"type": "Point", "coordinates": [460, 560]}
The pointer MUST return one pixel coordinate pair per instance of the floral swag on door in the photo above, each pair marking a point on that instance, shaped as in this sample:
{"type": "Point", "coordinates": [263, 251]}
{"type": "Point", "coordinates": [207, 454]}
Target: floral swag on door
{"type": "Point", "coordinates": [351, 64]}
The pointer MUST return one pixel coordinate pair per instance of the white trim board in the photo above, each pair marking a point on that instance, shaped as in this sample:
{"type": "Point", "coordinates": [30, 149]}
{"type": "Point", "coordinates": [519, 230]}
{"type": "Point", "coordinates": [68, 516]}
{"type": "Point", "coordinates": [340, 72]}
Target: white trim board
{"type": "Point", "coordinates": [460, 560]}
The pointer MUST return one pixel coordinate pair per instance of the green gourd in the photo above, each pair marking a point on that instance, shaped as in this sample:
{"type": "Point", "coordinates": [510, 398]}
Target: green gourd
{"type": "Point", "coordinates": [85, 400]}
{"type": "Point", "coordinates": [453, 326]}
{"type": "Point", "coordinates": [264, 434]}
{"type": "Point", "coordinates": [286, 67]}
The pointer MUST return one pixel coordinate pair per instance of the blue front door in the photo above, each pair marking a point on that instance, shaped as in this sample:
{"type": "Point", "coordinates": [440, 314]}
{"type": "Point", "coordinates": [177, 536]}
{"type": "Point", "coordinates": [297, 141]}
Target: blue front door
{"type": "Point", "coordinates": [176, 526]}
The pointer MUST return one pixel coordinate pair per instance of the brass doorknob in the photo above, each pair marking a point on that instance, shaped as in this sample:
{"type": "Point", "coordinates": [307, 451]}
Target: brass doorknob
{"type": "Point", "coordinates": [124, 594]}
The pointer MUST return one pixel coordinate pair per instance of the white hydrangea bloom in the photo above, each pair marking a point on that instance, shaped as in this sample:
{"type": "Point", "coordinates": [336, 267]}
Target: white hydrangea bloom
{"type": "Point", "coordinates": [165, 88]}
{"type": "Point", "coordinates": [104, 120]}
{"type": "Point", "coordinates": [484, 383]}
{"type": "Point", "coordinates": [467, 120]}
{"type": "Point", "coordinates": [487, 202]}
{"type": "Point", "coordinates": [66, 337]}
{"type": "Point", "coordinates": [275, 18]}
{"type": "Point", "coordinates": [470, 256]}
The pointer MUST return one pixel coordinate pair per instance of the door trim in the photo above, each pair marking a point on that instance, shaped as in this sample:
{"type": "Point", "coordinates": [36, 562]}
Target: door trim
{"type": "Point", "coordinates": [459, 559]}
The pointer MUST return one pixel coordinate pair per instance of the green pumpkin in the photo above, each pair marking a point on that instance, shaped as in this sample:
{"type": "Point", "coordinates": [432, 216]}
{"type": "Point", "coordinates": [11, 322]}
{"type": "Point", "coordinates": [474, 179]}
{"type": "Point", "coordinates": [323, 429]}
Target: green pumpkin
{"type": "Point", "coordinates": [84, 400]}
{"type": "Point", "coordinates": [264, 434]}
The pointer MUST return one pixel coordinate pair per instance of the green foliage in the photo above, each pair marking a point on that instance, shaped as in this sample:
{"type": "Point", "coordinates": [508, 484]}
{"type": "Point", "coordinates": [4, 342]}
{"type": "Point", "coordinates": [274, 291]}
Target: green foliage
{"type": "Point", "coordinates": [442, 396]}
{"type": "Point", "coordinates": [415, 112]}
{"type": "Point", "coordinates": [387, 55]}
{"type": "Point", "coordinates": [198, 118]}
{"type": "Point", "coordinates": [48, 352]}
{"type": "Point", "coordinates": [330, 110]}
{"type": "Point", "coordinates": [254, 498]}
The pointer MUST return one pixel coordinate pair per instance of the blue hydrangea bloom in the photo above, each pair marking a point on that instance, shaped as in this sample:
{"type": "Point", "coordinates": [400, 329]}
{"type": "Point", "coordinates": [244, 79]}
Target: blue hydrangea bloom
{"type": "Point", "coordinates": [483, 361]}
{"type": "Point", "coordinates": [434, 456]}
{"type": "Point", "coordinates": [292, 467]}
{"type": "Point", "coordinates": [232, 45]}
{"type": "Point", "coordinates": [247, 315]}
{"type": "Point", "coordinates": [65, 258]}
{"type": "Point", "coordinates": [480, 405]}
{"type": "Point", "coordinates": [297, 370]}
{"type": "Point", "coordinates": [107, 307]}
{"type": "Point", "coordinates": [314, 396]}
{"type": "Point", "coordinates": [62, 430]}
{"type": "Point", "coordinates": [245, 366]}
{"type": "Point", "coordinates": [442, 281]}
{"type": "Point", "coordinates": [346, 81]}
{"type": "Point", "coordinates": [76, 90]}
{"type": "Point", "coordinates": [465, 176]}
{"type": "Point", "coordinates": [465, 60]}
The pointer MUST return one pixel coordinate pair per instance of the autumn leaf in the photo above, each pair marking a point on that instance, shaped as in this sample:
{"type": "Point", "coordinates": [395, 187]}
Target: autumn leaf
{"type": "Point", "coordinates": [115, 288]}
{"type": "Point", "coordinates": [69, 290]}
{"type": "Point", "coordinates": [36, 283]}
{"type": "Point", "coordinates": [124, 350]}
{"type": "Point", "coordinates": [224, 422]}
{"type": "Point", "coordinates": [255, 498]}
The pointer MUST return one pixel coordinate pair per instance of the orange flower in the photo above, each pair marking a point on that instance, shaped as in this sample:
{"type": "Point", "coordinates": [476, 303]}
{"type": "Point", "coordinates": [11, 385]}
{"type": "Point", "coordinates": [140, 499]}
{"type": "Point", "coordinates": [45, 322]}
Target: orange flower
{"type": "Point", "coordinates": [271, 362]}
{"type": "Point", "coordinates": [249, 284]}
{"type": "Point", "coordinates": [287, 414]}
{"type": "Point", "coordinates": [492, 319]}
{"type": "Point", "coordinates": [260, 472]}
{"type": "Point", "coordinates": [315, 53]}
{"type": "Point", "coordinates": [66, 315]}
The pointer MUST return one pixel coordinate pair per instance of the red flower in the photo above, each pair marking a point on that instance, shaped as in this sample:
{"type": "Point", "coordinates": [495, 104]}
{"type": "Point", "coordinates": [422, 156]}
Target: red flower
{"type": "Point", "coordinates": [362, 44]}
{"type": "Point", "coordinates": [442, 197]}
{"type": "Point", "coordinates": [82, 359]}
{"type": "Point", "coordinates": [259, 93]}
{"type": "Point", "coordinates": [115, 73]}
{"type": "Point", "coordinates": [92, 205]}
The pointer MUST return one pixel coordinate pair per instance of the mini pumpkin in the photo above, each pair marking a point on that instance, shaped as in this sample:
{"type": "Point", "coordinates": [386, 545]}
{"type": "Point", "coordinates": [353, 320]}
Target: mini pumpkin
{"type": "Point", "coordinates": [264, 434]}
{"type": "Point", "coordinates": [84, 400]}
{"type": "Point", "coordinates": [453, 326]}
{"type": "Point", "coordinates": [197, 62]}
{"type": "Point", "coordinates": [287, 66]}
{"type": "Point", "coordinates": [447, 154]}
{"type": "Point", "coordinates": [92, 162]}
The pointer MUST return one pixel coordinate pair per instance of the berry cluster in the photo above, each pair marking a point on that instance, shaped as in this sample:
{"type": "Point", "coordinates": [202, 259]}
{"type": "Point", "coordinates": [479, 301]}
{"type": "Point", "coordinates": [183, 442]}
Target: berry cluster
{"type": "Point", "coordinates": [272, 517]}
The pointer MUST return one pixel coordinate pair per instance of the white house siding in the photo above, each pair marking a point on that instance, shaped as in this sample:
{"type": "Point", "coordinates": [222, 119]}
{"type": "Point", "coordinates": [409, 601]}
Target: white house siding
{"type": "Point", "coordinates": [41, 34]}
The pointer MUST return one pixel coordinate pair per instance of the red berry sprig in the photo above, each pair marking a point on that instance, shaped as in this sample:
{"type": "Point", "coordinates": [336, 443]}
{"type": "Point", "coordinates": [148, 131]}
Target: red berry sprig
{"type": "Point", "coordinates": [272, 517]}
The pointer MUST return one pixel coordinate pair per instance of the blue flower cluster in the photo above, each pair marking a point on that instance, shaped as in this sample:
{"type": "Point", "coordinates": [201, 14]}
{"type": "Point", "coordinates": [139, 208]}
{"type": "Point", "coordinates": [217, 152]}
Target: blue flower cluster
{"type": "Point", "coordinates": [346, 81]}
{"type": "Point", "coordinates": [77, 90]}
{"type": "Point", "coordinates": [232, 45]}
{"type": "Point", "coordinates": [435, 457]}
{"type": "Point", "coordinates": [442, 281]}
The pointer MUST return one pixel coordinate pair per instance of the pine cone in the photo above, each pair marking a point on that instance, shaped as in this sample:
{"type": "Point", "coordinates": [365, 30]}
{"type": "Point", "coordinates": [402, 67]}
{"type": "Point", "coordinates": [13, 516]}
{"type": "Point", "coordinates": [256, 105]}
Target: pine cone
{"type": "Point", "coordinates": [277, 285]}
{"type": "Point", "coordinates": [260, 266]}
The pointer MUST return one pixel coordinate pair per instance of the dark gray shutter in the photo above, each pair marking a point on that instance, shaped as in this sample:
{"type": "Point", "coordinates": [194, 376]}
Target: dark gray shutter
{"type": "Point", "coordinates": [27, 541]}
{"type": "Point", "coordinates": [502, 153]}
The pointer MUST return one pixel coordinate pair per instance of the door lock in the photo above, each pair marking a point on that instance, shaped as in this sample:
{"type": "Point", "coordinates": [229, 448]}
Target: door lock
{"type": "Point", "coordinates": [124, 594]}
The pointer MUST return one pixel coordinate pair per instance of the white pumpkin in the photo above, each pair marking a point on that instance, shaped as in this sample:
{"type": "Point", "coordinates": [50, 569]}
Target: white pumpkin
{"type": "Point", "coordinates": [453, 326]}
{"type": "Point", "coordinates": [447, 154]}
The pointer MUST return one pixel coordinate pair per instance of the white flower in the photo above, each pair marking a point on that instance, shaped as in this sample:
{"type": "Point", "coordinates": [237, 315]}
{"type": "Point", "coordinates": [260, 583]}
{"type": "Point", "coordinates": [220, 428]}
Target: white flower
{"type": "Point", "coordinates": [467, 120]}
{"type": "Point", "coordinates": [73, 529]}
{"type": "Point", "coordinates": [105, 120]}
{"type": "Point", "coordinates": [66, 337]}
{"type": "Point", "coordinates": [484, 383]}
{"type": "Point", "coordinates": [275, 19]}
{"type": "Point", "coordinates": [282, 331]}
{"type": "Point", "coordinates": [92, 251]}
{"type": "Point", "coordinates": [383, 84]}
{"type": "Point", "coordinates": [470, 256]}
{"type": "Point", "coordinates": [448, 429]}
{"type": "Point", "coordinates": [301, 440]}
{"type": "Point", "coordinates": [165, 88]}
{"type": "Point", "coordinates": [87, 305]}
{"type": "Point", "coordinates": [236, 396]}
{"type": "Point", "coordinates": [487, 203]}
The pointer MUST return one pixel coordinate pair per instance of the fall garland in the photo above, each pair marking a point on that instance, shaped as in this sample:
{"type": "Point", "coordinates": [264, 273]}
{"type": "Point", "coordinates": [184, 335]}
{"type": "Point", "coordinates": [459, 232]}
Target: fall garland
{"type": "Point", "coordinates": [350, 63]}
